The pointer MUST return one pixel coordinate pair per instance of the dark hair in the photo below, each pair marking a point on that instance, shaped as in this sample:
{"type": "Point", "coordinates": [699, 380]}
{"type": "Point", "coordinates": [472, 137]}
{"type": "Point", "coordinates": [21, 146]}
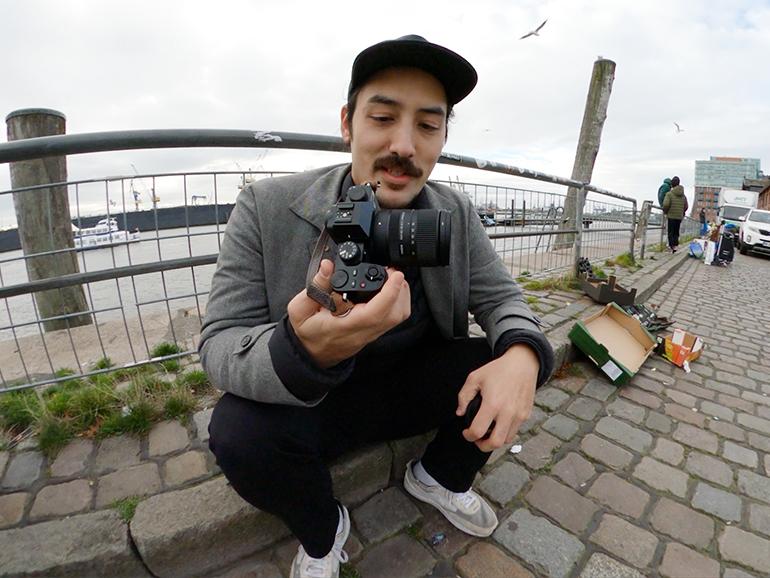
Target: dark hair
{"type": "Point", "coordinates": [353, 97]}
{"type": "Point", "coordinates": [675, 182]}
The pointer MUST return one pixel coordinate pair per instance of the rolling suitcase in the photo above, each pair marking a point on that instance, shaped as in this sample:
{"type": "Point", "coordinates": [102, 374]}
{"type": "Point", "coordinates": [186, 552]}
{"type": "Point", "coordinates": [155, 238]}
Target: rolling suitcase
{"type": "Point", "coordinates": [726, 250]}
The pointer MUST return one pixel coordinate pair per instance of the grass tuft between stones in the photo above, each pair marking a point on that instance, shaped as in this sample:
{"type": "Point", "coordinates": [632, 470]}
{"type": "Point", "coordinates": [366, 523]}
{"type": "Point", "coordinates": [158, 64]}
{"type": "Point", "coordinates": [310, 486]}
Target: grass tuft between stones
{"type": "Point", "coordinates": [598, 272]}
{"type": "Point", "coordinates": [164, 349]}
{"type": "Point", "coordinates": [348, 571]}
{"type": "Point", "coordinates": [563, 283]}
{"type": "Point", "coordinates": [54, 434]}
{"type": "Point", "coordinates": [113, 403]}
{"type": "Point", "coordinates": [413, 530]}
{"type": "Point", "coordinates": [626, 260]}
{"type": "Point", "coordinates": [126, 507]}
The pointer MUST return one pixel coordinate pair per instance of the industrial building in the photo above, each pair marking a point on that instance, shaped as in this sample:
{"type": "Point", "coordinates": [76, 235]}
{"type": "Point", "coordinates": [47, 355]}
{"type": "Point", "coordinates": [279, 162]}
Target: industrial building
{"type": "Point", "coordinates": [718, 172]}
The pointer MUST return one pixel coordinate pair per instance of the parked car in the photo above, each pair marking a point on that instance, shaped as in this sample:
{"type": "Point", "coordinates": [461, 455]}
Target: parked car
{"type": "Point", "coordinates": [755, 232]}
{"type": "Point", "coordinates": [487, 221]}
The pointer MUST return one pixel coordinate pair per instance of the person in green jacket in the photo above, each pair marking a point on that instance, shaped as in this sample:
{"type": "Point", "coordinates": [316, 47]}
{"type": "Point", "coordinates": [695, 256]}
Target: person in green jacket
{"type": "Point", "coordinates": [664, 188]}
{"type": "Point", "coordinates": [675, 206]}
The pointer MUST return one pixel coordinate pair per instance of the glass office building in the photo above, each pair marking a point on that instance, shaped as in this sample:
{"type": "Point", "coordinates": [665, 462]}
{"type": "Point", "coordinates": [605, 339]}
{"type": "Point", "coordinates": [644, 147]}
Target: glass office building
{"type": "Point", "coordinates": [719, 172]}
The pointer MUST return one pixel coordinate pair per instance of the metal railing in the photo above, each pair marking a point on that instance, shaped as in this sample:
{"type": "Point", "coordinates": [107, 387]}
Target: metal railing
{"type": "Point", "coordinates": [154, 290]}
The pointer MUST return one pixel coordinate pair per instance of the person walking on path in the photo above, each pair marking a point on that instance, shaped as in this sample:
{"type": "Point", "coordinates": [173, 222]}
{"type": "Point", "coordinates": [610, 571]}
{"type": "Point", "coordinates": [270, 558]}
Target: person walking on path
{"type": "Point", "coordinates": [675, 207]}
{"type": "Point", "coordinates": [304, 386]}
{"type": "Point", "coordinates": [662, 190]}
{"type": "Point", "coordinates": [703, 224]}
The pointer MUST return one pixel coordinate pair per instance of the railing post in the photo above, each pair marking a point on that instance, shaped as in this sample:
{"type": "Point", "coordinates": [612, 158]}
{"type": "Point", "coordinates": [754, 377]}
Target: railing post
{"type": "Point", "coordinates": [633, 229]}
{"type": "Point", "coordinates": [43, 218]}
{"type": "Point", "coordinates": [578, 239]}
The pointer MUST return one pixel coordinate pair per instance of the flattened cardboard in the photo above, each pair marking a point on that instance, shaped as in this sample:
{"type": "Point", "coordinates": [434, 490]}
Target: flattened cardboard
{"type": "Point", "coordinates": [616, 342]}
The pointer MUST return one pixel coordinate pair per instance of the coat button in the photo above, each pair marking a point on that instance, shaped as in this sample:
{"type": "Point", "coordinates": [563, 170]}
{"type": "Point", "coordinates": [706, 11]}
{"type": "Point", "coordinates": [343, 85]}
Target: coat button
{"type": "Point", "coordinates": [245, 340]}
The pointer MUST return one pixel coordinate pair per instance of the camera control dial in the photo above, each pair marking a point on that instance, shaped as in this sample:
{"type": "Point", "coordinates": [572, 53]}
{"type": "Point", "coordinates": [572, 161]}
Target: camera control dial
{"type": "Point", "coordinates": [374, 273]}
{"type": "Point", "coordinates": [349, 253]}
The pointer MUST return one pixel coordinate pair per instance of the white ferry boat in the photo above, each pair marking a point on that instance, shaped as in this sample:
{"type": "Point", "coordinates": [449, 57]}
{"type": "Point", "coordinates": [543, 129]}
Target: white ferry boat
{"type": "Point", "coordinates": [105, 233]}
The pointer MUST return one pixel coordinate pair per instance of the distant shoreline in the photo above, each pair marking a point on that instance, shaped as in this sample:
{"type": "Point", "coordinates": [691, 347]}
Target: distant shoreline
{"type": "Point", "coordinates": [148, 220]}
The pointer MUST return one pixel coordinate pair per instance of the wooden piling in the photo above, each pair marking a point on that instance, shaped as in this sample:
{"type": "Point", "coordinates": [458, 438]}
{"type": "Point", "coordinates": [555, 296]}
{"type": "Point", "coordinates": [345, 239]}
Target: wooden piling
{"type": "Point", "coordinates": [594, 116]}
{"type": "Point", "coordinates": [43, 217]}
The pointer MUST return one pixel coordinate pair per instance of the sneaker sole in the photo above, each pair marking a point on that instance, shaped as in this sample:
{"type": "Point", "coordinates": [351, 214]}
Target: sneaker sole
{"type": "Point", "coordinates": [458, 522]}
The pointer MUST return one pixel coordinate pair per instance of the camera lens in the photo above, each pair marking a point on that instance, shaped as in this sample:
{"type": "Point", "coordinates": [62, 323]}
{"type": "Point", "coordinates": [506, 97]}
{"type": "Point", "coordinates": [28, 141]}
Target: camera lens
{"type": "Point", "coordinates": [412, 237]}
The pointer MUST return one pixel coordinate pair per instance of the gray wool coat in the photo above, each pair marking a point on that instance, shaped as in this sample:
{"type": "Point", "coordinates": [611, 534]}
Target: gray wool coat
{"type": "Point", "coordinates": [263, 262]}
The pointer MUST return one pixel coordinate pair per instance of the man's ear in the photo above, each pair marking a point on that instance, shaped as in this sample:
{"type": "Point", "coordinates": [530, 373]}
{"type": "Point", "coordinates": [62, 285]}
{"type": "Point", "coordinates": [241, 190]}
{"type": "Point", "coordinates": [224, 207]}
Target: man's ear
{"type": "Point", "coordinates": [345, 124]}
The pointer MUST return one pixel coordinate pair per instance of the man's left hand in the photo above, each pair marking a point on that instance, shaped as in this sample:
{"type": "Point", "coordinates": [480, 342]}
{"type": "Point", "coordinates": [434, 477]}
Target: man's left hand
{"type": "Point", "coordinates": [507, 388]}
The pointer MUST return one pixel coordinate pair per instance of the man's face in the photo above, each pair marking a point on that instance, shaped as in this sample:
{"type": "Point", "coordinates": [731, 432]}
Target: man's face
{"type": "Point", "coordinates": [397, 132]}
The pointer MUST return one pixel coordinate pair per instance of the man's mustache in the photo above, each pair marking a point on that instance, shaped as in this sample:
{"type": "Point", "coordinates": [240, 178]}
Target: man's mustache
{"type": "Point", "coordinates": [405, 165]}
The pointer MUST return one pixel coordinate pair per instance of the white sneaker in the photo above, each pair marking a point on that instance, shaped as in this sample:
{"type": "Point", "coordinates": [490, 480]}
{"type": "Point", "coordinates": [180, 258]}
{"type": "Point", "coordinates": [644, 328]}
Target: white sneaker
{"type": "Point", "coordinates": [305, 566]}
{"type": "Point", "coordinates": [466, 511]}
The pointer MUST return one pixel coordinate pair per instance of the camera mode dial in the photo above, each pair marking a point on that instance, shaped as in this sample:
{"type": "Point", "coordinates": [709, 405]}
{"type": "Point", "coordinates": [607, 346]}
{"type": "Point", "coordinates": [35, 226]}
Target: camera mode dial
{"type": "Point", "coordinates": [349, 253]}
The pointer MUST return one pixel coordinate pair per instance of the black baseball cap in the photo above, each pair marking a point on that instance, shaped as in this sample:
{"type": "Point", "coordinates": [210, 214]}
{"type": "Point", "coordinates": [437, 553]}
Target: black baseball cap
{"type": "Point", "coordinates": [456, 74]}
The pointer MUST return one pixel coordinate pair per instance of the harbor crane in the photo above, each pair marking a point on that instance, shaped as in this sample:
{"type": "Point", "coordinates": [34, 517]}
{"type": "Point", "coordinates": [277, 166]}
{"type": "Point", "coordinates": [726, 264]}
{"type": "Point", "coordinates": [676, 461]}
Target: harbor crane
{"type": "Point", "coordinates": [137, 195]}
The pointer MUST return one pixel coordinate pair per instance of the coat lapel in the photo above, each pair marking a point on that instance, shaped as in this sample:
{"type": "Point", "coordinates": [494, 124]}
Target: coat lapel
{"type": "Point", "coordinates": [437, 281]}
{"type": "Point", "coordinates": [313, 204]}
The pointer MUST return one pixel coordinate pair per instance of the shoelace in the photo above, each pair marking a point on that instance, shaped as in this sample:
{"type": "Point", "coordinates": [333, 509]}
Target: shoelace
{"type": "Point", "coordinates": [466, 499]}
{"type": "Point", "coordinates": [322, 567]}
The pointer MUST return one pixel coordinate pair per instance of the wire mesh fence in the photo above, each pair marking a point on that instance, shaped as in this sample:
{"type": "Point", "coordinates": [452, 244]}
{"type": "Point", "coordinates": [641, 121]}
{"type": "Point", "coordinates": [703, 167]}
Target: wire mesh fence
{"type": "Point", "coordinates": [146, 281]}
{"type": "Point", "coordinates": [531, 229]}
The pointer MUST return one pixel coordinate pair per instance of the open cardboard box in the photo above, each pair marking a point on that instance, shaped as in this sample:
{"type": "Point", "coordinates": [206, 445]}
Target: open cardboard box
{"type": "Point", "coordinates": [681, 348]}
{"type": "Point", "coordinates": [616, 342]}
{"type": "Point", "coordinates": [607, 291]}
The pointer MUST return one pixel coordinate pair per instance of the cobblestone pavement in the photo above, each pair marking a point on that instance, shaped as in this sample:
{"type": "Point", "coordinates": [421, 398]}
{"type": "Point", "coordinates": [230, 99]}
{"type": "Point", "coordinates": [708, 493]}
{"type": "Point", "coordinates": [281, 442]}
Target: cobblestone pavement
{"type": "Point", "coordinates": [666, 476]}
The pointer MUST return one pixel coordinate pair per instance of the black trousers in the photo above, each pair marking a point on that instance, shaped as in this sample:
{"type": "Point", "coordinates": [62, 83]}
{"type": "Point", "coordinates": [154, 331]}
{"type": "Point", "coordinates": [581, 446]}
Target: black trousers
{"type": "Point", "coordinates": [276, 456]}
{"type": "Point", "coordinates": [673, 232]}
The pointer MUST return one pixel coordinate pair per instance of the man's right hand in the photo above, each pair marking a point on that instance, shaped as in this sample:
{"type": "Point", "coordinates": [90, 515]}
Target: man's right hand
{"type": "Point", "coordinates": [329, 339]}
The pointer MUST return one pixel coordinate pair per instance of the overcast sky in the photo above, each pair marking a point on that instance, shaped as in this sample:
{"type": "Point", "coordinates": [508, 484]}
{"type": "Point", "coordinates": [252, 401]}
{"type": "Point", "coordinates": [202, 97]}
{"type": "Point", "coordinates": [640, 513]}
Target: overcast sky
{"type": "Point", "coordinates": [285, 66]}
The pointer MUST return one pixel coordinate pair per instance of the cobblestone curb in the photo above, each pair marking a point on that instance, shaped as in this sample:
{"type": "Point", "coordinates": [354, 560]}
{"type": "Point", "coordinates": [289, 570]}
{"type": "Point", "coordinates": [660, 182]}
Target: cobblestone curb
{"type": "Point", "coordinates": [601, 472]}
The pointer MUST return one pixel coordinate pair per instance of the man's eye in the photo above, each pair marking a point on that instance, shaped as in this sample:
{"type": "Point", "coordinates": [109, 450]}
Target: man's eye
{"type": "Point", "coordinates": [380, 119]}
{"type": "Point", "coordinates": [428, 127]}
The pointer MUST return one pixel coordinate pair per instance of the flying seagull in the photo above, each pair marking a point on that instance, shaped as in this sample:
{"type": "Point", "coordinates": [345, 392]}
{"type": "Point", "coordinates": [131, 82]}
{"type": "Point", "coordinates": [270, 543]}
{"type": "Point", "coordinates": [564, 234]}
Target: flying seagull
{"type": "Point", "coordinates": [535, 31]}
{"type": "Point", "coordinates": [678, 130]}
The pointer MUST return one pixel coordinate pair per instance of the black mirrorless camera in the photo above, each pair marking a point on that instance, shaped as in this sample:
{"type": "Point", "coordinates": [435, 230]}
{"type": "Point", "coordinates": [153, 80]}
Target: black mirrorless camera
{"type": "Point", "coordinates": [369, 238]}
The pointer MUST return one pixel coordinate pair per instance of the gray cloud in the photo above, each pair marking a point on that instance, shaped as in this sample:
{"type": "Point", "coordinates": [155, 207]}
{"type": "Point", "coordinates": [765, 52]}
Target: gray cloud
{"type": "Point", "coordinates": [285, 66]}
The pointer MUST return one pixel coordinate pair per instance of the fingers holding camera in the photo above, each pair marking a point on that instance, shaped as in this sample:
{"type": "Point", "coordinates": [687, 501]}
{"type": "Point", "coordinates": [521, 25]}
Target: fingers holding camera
{"type": "Point", "coordinates": [331, 338]}
{"type": "Point", "coordinates": [302, 306]}
{"type": "Point", "coordinates": [392, 305]}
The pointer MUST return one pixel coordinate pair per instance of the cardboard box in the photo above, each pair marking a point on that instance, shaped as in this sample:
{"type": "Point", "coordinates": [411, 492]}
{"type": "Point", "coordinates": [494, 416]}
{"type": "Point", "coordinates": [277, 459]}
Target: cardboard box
{"type": "Point", "coordinates": [607, 291]}
{"type": "Point", "coordinates": [681, 348]}
{"type": "Point", "coordinates": [616, 342]}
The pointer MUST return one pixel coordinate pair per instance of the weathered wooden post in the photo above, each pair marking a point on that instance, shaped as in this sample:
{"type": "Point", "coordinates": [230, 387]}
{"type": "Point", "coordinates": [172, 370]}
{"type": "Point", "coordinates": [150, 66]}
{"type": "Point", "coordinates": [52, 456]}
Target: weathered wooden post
{"type": "Point", "coordinates": [43, 217]}
{"type": "Point", "coordinates": [577, 247]}
{"type": "Point", "coordinates": [641, 227]}
{"type": "Point", "coordinates": [588, 144]}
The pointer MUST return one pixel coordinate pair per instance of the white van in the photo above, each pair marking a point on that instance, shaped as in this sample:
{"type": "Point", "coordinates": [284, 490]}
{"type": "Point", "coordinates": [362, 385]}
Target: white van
{"type": "Point", "coordinates": [734, 204]}
{"type": "Point", "coordinates": [755, 232]}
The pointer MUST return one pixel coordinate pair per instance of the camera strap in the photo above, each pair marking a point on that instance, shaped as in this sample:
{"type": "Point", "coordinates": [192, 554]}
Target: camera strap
{"type": "Point", "coordinates": [323, 248]}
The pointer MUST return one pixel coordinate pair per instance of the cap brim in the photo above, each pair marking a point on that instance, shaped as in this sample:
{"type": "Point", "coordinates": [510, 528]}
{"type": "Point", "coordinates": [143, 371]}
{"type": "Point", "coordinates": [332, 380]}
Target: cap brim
{"type": "Point", "coordinates": [456, 74]}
